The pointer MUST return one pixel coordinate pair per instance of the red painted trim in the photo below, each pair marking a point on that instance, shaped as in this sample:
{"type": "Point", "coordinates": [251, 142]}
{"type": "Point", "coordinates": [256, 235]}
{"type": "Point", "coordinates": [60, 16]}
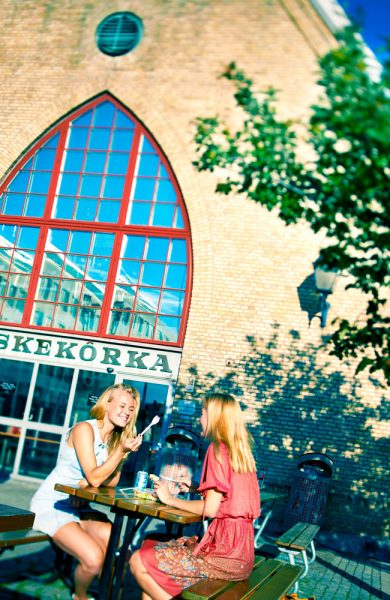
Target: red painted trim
{"type": "Point", "coordinates": [119, 229]}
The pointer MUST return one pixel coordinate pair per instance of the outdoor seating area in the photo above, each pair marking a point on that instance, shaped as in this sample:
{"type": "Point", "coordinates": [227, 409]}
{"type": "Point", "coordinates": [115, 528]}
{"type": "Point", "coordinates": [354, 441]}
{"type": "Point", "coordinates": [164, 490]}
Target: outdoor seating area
{"type": "Point", "coordinates": [31, 570]}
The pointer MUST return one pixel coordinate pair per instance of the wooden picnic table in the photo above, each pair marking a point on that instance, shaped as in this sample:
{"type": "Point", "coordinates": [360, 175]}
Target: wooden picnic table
{"type": "Point", "coordinates": [267, 500]}
{"type": "Point", "coordinates": [15, 519]}
{"type": "Point", "coordinates": [128, 513]}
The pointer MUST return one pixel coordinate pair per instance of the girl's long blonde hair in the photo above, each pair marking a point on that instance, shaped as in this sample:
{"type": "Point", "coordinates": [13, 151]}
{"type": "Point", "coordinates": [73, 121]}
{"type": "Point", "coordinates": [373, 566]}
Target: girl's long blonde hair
{"type": "Point", "coordinates": [99, 410]}
{"type": "Point", "coordinates": [225, 423]}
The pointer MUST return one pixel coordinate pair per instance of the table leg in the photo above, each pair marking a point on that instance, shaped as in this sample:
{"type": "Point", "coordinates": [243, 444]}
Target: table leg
{"type": "Point", "coordinates": [105, 582]}
{"type": "Point", "coordinates": [131, 527]}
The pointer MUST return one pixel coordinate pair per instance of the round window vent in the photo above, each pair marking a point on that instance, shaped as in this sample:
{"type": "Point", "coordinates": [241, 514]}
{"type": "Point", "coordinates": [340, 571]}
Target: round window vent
{"type": "Point", "coordinates": [119, 33]}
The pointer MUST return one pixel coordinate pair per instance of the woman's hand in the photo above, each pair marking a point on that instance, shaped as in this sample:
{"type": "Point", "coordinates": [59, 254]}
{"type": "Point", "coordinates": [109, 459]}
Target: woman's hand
{"type": "Point", "coordinates": [162, 491]}
{"type": "Point", "coordinates": [131, 444]}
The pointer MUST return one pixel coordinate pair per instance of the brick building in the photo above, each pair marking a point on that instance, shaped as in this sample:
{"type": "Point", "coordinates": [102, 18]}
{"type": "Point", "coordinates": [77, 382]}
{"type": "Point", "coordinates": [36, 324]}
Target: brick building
{"type": "Point", "coordinates": [125, 265]}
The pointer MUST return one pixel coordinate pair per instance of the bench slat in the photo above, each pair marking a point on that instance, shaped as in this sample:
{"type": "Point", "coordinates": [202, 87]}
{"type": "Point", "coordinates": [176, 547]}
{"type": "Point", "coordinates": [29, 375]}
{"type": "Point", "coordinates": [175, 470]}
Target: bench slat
{"type": "Point", "coordinates": [303, 541]}
{"type": "Point", "coordinates": [298, 537]}
{"type": "Point", "coordinates": [9, 539]}
{"type": "Point", "coordinates": [280, 583]}
{"type": "Point", "coordinates": [212, 588]}
{"type": "Point", "coordinates": [244, 589]}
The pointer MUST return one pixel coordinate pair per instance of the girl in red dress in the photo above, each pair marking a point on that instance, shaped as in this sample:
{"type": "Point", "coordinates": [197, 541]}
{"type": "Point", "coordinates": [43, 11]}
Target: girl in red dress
{"type": "Point", "coordinates": [230, 496]}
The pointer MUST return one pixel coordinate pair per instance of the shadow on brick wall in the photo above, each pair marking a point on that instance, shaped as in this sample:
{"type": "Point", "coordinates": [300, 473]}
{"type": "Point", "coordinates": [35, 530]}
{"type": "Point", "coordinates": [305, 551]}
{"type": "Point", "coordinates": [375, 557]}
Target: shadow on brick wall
{"type": "Point", "coordinates": [295, 404]}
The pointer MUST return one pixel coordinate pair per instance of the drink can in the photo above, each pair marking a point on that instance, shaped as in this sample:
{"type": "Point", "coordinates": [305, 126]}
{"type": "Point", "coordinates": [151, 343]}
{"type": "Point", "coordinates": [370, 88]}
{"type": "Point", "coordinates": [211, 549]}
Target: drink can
{"type": "Point", "coordinates": [141, 480]}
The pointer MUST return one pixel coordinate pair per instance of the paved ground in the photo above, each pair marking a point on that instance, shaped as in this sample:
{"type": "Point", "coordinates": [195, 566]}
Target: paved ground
{"type": "Point", "coordinates": [25, 573]}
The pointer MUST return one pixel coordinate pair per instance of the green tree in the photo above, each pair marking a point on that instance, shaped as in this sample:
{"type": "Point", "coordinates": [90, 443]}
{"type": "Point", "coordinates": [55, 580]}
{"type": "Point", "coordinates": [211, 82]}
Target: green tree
{"type": "Point", "coordinates": [343, 190]}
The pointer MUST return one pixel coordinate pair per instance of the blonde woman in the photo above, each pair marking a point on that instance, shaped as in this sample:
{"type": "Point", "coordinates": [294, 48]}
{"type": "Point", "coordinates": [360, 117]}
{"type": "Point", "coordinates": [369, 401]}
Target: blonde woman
{"type": "Point", "coordinates": [230, 496]}
{"type": "Point", "coordinates": [93, 454]}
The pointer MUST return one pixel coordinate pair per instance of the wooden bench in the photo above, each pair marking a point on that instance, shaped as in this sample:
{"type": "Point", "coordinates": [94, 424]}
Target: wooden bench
{"type": "Point", "coordinates": [269, 580]}
{"type": "Point", "coordinates": [62, 562]}
{"type": "Point", "coordinates": [10, 539]}
{"type": "Point", "coordinates": [296, 541]}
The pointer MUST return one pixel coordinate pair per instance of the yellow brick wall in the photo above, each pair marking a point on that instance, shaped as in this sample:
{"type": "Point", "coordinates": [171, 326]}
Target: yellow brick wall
{"type": "Point", "coordinates": [246, 329]}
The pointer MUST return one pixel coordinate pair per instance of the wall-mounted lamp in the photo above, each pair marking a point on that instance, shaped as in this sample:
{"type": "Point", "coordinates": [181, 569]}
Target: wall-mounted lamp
{"type": "Point", "coordinates": [325, 282]}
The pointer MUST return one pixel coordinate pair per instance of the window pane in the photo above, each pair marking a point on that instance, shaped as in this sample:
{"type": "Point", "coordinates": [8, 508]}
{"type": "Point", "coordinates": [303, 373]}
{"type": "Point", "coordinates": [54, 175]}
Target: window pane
{"type": "Point", "coordinates": [44, 160]}
{"type": "Point", "coordinates": [163, 215]}
{"type": "Point", "coordinates": [99, 139]}
{"type": "Point", "coordinates": [172, 302]}
{"type": "Point", "coordinates": [69, 292]}
{"type": "Point", "coordinates": [104, 114]}
{"type": "Point", "coordinates": [22, 262]}
{"type": "Point", "coordinates": [42, 314]}
{"type": "Point", "coordinates": [123, 297]}
{"type": "Point", "coordinates": [157, 249]}
{"type": "Point", "coordinates": [40, 452]}
{"type": "Point", "coordinates": [65, 317]}
{"type": "Point", "coordinates": [113, 187]}
{"type": "Point", "coordinates": [176, 277]}
{"type": "Point", "coordinates": [28, 237]}
{"type": "Point", "coordinates": [95, 162]}
{"type": "Point", "coordinates": [86, 209]}
{"type": "Point", "coordinates": [93, 294]}
{"type": "Point", "coordinates": [178, 251]}
{"type": "Point", "coordinates": [179, 222]}
{"type": "Point", "coordinates": [122, 140]}
{"type": "Point", "coordinates": [88, 320]}
{"type": "Point", "coordinates": [52, 264]}
{"type": "Point", "coordinates": [76, 264]}
{"type": "Point", "coordinates": [152, 274]}
{"type": "Point", "coordinates": [98, 268]}
{"type": "Point", "coordinates": [118, 163]}
{"type": "Point", "coordinates": [13, 204]}
{"type": "Point", "coordinates": [80, 241]}
{"type": "Point", "coordinates": [48, 289]}
{"type": "Point", "coordinates": [147, 299]}
{"type": "Point", "coordinates": [168, 328]}
{"type": "Point", "coordinates": [142, 326]}
{"type": "Point", "coordinates": [8, 235]}
{"type": "Point", "coordinates": [35, 206]}
{"type": "Point", "coordinates": [73, 160]}
{"type": "Point", "coordinates": [51, 394]}
{"type": "Point", "coordinates": [90, 185]}
{"type": "Point", "coordinates": [20, 182]}
{"type": "Point", "coordinates": [129, 271]}
{"type": "Point", "coordinates": [18, 285]}
{"type": "Point", "coordinates": [52, 142]}
{"type": "Point", "coordinates": [144, 189]}
{"type": "Point", "coordinates": [78, 137]}
{"type": "Point", "coordinates": [102, 244]}
{"type": "Point", "coordinates": [140, 212]}
{"type": "Point", "coordinates": [40, 182]}
{"type": "Point", "coordinates": [85, 119]}
{"type": "Point", "coordinates": [134, 246]}
{"type": "Point", "coordinates": [12, 311]}
{"type": "Point", "coordinates": [148, 165]}
{"type": "Point", "coordinates": [166, 191]}
{"type": "Point", "coordinates": [123, 120]}
{"type": "Point", "coordinates": [68, 184]}
{"type": "Point", "coordinates": [58, 238]}
{"type": "Point", "coordinates": [15, 377]}
{"type": "Point", "coordinates": [64, 207]}
{"type": "Point", "coordinates": [108, 211]}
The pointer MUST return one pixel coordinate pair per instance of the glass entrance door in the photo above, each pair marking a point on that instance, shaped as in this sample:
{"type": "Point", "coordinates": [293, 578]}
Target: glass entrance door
{"type": "Point", "coordinates": [40, 402]}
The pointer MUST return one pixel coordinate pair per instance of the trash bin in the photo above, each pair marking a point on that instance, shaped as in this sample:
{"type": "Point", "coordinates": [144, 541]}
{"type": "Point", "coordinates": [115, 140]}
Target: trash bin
{"type": "Point", "coordinates": [310, 489]}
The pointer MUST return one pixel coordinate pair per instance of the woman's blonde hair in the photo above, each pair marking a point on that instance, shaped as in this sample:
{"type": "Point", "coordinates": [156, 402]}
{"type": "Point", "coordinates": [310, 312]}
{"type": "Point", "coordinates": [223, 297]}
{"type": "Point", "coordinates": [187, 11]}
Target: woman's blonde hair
{"type": "Point", "coordinates": [98, 412]}
{"type": "Point", "coordinates": [225, 423]}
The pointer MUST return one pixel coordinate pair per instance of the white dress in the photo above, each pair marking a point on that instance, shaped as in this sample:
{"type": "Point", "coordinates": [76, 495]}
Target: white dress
{"type": "Point", "coordinates": [53, 509]}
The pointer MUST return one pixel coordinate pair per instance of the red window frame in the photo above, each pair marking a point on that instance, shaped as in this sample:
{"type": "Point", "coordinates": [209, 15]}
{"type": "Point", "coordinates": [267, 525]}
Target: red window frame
{"type": "Point", "coordinates": [119, 229]}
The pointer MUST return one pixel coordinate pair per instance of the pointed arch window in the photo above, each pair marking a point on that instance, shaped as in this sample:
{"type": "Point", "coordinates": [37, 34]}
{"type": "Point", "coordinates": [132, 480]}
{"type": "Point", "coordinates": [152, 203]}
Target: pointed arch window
{"type": "Point", "coordinates": [94, 235]}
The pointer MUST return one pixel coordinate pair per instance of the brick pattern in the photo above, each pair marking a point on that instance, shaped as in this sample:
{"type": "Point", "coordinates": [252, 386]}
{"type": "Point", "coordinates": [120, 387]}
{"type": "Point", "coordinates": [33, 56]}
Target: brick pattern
{"type": "Point", "coordinates": [252, 327]}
